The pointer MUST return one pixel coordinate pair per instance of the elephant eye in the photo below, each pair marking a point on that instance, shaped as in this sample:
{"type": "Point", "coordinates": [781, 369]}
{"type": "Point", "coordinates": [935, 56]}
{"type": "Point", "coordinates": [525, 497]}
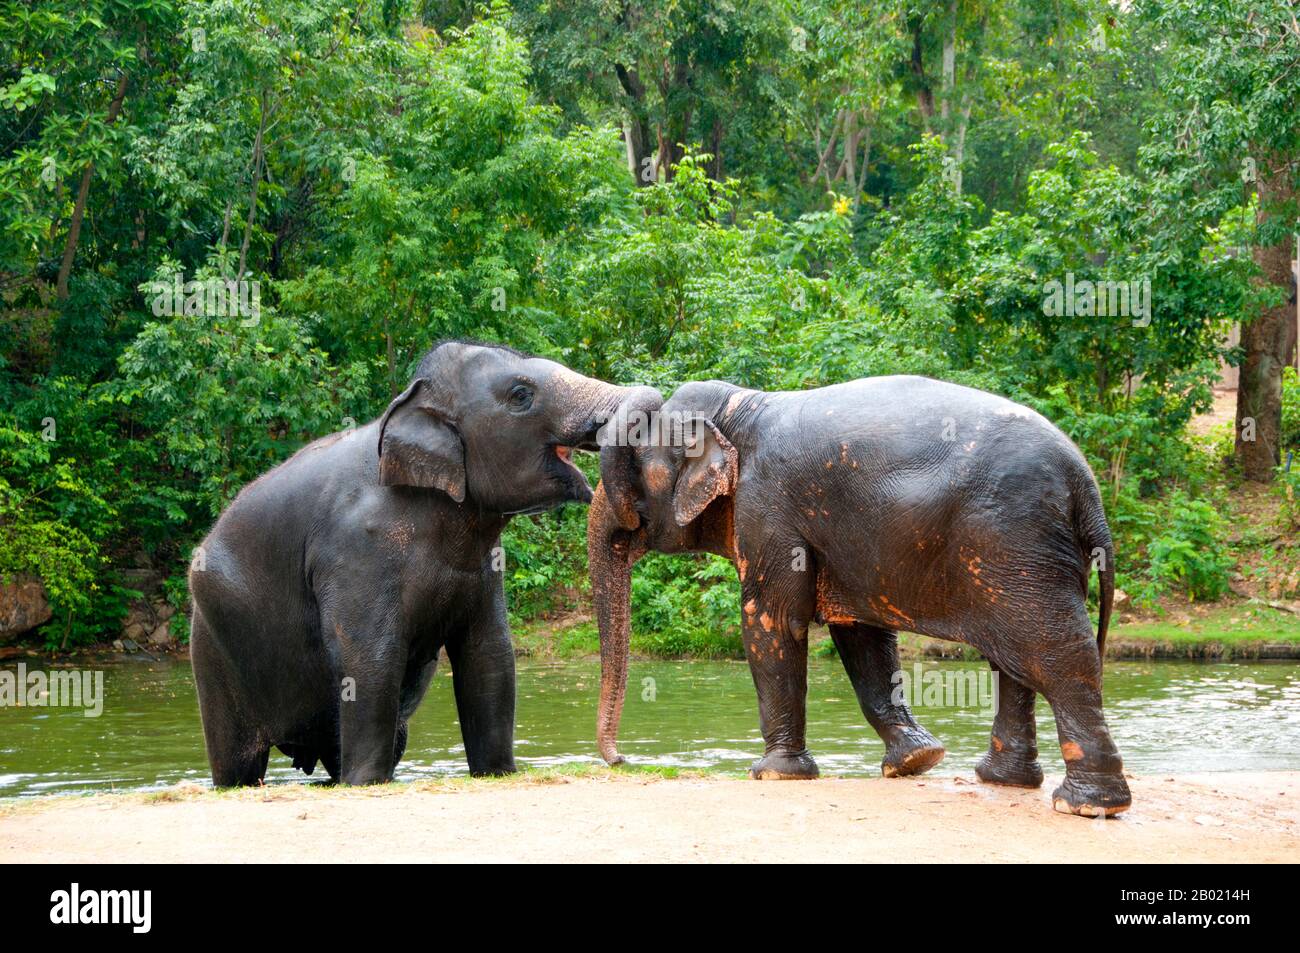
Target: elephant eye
{"type": "Point", "coordinates": [520, 397]}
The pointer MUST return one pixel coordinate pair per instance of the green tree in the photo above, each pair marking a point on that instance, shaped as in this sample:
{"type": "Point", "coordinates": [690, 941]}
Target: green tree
{"type": "Point", "coordinates": [1232, 125]}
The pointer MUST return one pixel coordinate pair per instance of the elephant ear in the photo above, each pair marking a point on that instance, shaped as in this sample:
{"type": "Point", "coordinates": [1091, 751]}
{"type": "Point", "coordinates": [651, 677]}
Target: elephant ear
{"type": "Point", "coordinates": [708, 472]}
{"type": "Point", "coordinates": [418, 446]}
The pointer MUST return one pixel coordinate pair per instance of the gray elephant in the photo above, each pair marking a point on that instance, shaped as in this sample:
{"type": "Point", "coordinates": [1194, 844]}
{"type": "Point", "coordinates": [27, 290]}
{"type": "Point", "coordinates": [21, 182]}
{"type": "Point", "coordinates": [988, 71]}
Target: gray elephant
{"type": "Point", "coordinates": [873, 506]}
{"type": "Point", "coordinates": [326, 590]}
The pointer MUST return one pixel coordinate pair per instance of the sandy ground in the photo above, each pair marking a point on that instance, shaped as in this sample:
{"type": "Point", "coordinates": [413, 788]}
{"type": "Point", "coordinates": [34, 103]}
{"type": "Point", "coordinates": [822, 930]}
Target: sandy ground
{"type": "Point", "coordinates": [624, 818]}
{"type": "Point", "coordinates": [1223, 411]}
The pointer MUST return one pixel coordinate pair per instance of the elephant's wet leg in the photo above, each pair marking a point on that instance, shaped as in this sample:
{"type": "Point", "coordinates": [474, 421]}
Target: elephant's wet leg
{"type": "Point", "coordinates": [330, 761]}
{"type": "Point", "coordinates": [237, 751]}
{"type": "Point", "coordinates": [419, 672]}
{"type": "Point", "coordinates": [870, 657]}
{"type": "Point", "coordinates": [1012, 757]}
{"type": "Point", "coordinates": [372, 662]}
{"type": "Point", "coordinates": [777, 648]}
{"type": "Point", "coordinates": [368, 729]}
{"type": "Point", "coordinates": [1094, 773]}
{"type": "Point", "coordinates": [483, 675]}
{"type": "Point", "coordinates": [399, 742]}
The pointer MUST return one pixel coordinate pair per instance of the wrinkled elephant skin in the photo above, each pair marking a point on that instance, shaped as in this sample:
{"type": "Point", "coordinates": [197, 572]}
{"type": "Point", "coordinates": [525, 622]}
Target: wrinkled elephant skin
{"type": "Point", "coordinates": [326, 590]}
{"type": "Point", "coordinates": [880, 505]}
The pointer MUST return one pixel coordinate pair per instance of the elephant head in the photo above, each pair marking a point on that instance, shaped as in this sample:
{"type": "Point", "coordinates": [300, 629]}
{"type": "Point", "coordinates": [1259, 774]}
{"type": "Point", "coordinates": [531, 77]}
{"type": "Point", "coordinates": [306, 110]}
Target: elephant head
{"type": "Point", "coordinates": [494, 428]}
{"type": "Point", "coordinates": [666, 480]}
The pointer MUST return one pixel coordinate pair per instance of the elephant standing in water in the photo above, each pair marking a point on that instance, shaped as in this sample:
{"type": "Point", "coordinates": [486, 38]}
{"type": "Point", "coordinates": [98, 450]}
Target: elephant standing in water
{"type": "Point", "coordinates": [873, 506]}
{"type": "Point", "coordinates": [327, 588]}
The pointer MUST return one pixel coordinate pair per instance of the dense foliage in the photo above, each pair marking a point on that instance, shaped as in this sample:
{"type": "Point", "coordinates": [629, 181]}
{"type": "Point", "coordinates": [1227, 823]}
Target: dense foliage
{"type": "Point", "coordinates": [782, 193]}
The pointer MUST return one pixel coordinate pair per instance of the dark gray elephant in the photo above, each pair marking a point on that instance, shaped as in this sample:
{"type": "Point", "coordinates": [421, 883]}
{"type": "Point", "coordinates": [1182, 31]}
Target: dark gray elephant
{"type": "Point", "coordinates": [873, 506]}
{"type": "Point", "coordinates": [327, 588]}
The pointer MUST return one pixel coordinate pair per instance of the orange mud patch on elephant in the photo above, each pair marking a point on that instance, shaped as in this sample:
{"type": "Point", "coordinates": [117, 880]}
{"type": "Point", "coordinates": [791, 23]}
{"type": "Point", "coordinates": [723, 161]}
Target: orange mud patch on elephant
{"type": "Point", "coordinates": [890, 611]}
{"type": "Point", "coordinates": [831, 607]}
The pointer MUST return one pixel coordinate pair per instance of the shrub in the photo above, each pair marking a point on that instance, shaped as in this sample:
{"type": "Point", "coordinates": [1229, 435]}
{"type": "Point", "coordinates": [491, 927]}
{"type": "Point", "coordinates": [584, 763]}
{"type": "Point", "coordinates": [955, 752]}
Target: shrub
{"type": "Point", "coordinates": [1291, 408]}
{"type": "Point", "coordinates": [1176, 544]}
{"type": "Point", "coordinates": [686, 605]}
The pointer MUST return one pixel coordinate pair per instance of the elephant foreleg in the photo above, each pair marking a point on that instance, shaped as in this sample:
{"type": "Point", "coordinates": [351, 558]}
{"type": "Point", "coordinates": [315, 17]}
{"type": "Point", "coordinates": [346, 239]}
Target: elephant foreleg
{"type": "Point", "coordinates": [483, 674]}
{"type": "Point", "coordinates": [372, 662]}
{"type": "Point", "coordinates": [777, 648]}
{"type": "Point", "coordinates": [870, 657]}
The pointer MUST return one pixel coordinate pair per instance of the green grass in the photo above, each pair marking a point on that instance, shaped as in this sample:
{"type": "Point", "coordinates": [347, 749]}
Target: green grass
{"type": "Point", "coordinates": [318, 790]}
{"type": "Point", "coordinates": [1229, 625]}
{"type": "Point", "coordinates": [549, 640]}
{"type": "Point", "coordinates": [582, 640]}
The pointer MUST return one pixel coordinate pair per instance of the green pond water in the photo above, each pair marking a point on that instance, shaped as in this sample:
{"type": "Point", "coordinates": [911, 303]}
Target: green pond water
{"type": "Point", "coordinates": [1165, 716]}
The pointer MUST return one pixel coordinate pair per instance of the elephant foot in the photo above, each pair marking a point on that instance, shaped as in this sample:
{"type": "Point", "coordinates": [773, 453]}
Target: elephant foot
{"type": "Point", "coordinates": [364, 777]}
{"type": "Point", "coordinates": [783, 766]}
{"type": "Point", "coordinates": [913, 750]}
{"type": "Point", "coordinates": [496, 767]}
{"type": "Point", "coordinates": [1001, 765]}
{"type": "Point", "coordinates": [1092, 795]}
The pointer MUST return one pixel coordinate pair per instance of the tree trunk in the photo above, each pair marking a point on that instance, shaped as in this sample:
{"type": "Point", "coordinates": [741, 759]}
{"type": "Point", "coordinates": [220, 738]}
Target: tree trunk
{"type": "Point", "coordinates": [672, 140]}
{"type": "Point", "coordinates": [866, 161]}
{"type": "Point", "coordinates": [225, 234]}
{"type": "Point", "coordinates": [257, 182]}
{"type": "Point", "coordinates": [851, 149]}
{"type": "Point", "coordinates": [924, 95]}
{"type": "Point", "coordinates": [716, 169]}
{"type": "Point", "coordinates": [390, 356]}
{"type": "Point", "coordinates": [949, 63]}
{"type": "Point", "coordinates": [823, 167]}
{"type": "Point", "coordinates": [79, 209]}
{"type": "Point", "coordinates": [636, 130]}
{"type": "Point", "coordinates": [1267, 341]}
{"type": "Point", "coordinates": [959, 146]}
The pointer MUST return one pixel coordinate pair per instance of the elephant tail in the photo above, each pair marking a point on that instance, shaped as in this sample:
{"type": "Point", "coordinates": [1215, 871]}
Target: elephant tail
{"type": "Point", "coordinates": [1106, 581]}
{"type": "Point", "coordinates": [1093, 533]}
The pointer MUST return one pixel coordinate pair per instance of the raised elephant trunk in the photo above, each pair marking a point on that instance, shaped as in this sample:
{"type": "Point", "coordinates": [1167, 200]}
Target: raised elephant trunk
{"type": "Point", "coordinates": [615, 542]}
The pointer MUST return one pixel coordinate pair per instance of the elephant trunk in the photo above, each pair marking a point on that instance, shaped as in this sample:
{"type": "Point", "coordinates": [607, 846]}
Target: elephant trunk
{"type": "Point", "coordinates": [611, 553]}
{"type": "Point", "coordinates": [615, 541]}
{"type": "Point", "coordinates": [597, 407]}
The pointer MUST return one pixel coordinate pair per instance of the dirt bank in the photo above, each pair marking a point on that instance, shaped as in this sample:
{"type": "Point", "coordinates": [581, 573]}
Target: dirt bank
{"type": "Point", "coordinates": [625, 817]}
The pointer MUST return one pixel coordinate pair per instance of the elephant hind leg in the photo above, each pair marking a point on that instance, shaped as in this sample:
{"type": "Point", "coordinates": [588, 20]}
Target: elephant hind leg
{"type": "Point", "coordinates": [237, 755]}
{"type": "Point", "coordinates": [399, 742]}
{"type": "Point", "coordinates": [329, 759]}
{"type": "Point", "coordinates": [1012, 757]}
{"type": "Point", "coordinates": [870, 657]}
{"type": "Point", "coordinates": [1094, 772]}
{"type": "Point", "coordinates": [237, 752]}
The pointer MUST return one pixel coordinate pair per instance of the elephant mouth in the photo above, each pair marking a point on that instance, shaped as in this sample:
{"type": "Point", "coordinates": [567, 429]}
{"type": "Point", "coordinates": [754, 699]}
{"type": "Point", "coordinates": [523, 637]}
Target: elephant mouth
{"type": "Point", "coordinates": [559, 458]}
{"type": "Point", "coordinates": [564, 454]}
{"type": "Point", "coordinates": [571, 482]}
